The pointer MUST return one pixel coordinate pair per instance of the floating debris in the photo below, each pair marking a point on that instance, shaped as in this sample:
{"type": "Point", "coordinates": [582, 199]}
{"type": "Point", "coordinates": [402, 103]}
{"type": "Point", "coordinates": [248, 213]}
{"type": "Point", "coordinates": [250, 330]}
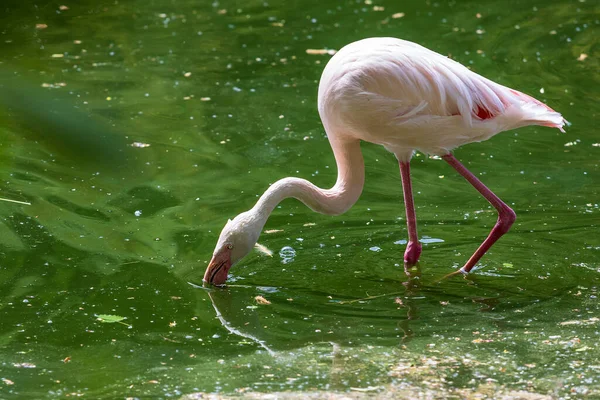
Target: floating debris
{"type": "Point", "coordinates": [139, 145]}
{"type": "Point", "coordinates": [273, 230]}
{"type": "Point", "coordinates": [41, 26]}
{"type": "Point", "coordinates": [263, 249]}
{"type": "Point", "coordinates": [428, 240]}
{"type": "Point", "coordinates": [15, 201]}
{"type": "Point", "coordinates": [377, 296]}
{"type": "Point", "coordinates": [321, 51]}
{"type": "Point", "coordinates": [582, 57]}
{"type": "Point", "coordinates": [110, 319]}
{"type": "Point", "coordinates": [398, 15]}
{"type": "Point", "coordinates": [262, 301]}
{"type": "Point", "coordinates": [367, 389]}
{"type": "Point", "coordinates": [54, 85]}
{"type": "Point", "coordinates": [24, 365]}
{"type": "Point", "coordinates": [590, 321]}
{"type": "Point", "coordinates": [482, 340]}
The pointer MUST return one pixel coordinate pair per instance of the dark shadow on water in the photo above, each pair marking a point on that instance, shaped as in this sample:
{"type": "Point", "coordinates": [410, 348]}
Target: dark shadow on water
{"type": "Point", "coordinates": [51, 118]}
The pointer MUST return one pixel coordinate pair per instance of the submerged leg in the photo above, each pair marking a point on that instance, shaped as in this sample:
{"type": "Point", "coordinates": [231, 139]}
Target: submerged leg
{"type": "Point", "coordinates": [413, 249]}
{"type": "Point", "coordinates": [506, 216]}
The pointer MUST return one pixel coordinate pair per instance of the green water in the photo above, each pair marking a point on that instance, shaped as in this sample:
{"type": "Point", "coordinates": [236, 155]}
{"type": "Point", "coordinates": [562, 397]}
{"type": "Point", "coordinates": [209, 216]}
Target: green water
{"type": "Point", "coordinates": [224, 94]}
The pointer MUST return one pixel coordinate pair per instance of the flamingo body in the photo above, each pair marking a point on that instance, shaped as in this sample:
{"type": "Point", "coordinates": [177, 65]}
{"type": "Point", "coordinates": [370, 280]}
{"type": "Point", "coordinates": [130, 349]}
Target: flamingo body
{"type": "Point", "coordinates": [407, 98]}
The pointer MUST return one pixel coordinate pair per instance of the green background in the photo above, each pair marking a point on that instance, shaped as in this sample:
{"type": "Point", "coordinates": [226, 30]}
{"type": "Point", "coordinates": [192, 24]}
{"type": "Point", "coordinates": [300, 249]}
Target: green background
{"type": "Point", "coordinates": [224, 94]}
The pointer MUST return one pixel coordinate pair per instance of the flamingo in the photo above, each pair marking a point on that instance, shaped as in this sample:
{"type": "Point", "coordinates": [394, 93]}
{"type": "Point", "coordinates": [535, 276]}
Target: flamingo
{"type": "Point", "coordinates": [406, 98]}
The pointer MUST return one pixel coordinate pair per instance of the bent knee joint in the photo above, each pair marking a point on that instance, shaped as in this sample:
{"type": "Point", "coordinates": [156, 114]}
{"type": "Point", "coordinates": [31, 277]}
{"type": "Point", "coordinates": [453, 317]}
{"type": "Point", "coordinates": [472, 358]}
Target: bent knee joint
{"type": "Point", "coordinates": [506, 217]}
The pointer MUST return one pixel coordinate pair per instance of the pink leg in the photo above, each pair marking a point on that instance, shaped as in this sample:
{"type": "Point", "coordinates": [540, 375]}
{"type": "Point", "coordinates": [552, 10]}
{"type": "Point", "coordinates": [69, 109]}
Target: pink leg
{"type": "Point", "coordinates": [413, 249]}
{"type": "Point", "coordinates": [506, 216]}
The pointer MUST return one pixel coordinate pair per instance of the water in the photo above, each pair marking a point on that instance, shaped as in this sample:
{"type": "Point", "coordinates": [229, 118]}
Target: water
{"type": "Point", "coordinates": [219, 100]}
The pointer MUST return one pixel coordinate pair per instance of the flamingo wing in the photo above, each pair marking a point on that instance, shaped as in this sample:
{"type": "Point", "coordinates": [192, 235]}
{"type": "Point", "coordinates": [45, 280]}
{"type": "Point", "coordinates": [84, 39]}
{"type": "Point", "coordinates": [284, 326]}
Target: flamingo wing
{"type": "Point", "coordinates": [388, 81]}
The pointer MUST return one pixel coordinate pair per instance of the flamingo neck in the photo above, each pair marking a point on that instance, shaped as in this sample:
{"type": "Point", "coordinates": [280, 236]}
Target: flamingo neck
{"type": "Point", "coordinates": [334, 201]}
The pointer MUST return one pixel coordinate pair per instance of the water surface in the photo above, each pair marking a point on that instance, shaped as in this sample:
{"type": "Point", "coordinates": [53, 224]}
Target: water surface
{"type": "Point", "coordinates": [219, 101]}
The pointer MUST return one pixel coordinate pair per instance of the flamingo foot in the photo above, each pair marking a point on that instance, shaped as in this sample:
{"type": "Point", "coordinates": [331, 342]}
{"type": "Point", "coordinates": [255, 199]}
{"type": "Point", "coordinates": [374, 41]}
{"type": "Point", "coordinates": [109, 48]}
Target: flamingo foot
{"type": "Point", "coordinates": [460, 271]}
{"type": "Point", "coordinates": [412, 253]}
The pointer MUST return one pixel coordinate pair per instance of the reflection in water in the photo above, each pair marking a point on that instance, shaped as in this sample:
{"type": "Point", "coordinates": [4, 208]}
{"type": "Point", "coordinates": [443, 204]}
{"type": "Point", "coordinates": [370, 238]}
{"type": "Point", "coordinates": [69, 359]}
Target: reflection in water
{"type": "Point", "coordinates": [242, 311]}
{"type": "Point", "coordinates": [263, 324]}
{"type": "Point", "coordinates": [237, 315]}
{"type": "Point", "coordinates": [412, 285]}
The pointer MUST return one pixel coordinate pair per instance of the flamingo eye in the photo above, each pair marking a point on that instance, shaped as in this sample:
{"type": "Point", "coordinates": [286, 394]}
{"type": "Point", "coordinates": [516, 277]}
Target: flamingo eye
{"type": "Point", "coordinates": [230, 246]}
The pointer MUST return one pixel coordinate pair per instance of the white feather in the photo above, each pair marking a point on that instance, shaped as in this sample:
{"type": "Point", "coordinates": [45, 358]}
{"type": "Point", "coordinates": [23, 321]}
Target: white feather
{"type": "Point", "coordinates": [401, 95]}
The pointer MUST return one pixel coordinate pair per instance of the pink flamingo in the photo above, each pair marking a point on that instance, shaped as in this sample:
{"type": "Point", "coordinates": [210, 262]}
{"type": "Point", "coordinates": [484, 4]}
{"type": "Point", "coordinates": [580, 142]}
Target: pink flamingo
{"type": "Point", "coordinates": [405, 97]}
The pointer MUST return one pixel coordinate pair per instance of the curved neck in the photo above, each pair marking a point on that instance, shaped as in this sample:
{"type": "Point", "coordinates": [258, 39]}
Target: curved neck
{"type": "Point", "coordinates": [334, 201]}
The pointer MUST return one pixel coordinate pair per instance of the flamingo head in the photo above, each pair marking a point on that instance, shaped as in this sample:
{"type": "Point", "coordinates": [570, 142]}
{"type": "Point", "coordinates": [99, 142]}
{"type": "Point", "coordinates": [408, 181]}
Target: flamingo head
{"type": "Point", "coordinates": [236, 240]}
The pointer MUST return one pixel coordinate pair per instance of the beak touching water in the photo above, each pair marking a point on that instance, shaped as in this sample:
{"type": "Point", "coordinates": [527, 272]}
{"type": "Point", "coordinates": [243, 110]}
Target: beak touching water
{"type": "Point", "coordinates": [216, 272]}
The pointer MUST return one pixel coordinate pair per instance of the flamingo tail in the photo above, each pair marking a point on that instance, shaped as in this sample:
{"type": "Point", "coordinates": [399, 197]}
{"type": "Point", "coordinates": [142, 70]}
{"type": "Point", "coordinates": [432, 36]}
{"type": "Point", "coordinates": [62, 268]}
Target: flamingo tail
{"type": "Point", "coordinates": [534, 112]}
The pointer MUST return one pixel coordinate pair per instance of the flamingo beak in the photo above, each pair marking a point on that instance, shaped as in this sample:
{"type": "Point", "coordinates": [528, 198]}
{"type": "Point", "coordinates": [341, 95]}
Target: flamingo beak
{"type": "Point", "coordinates": [218, 267]}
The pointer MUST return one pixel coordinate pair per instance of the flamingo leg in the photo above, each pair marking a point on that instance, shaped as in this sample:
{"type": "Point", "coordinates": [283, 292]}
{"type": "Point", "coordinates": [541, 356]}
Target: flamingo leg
{"type": "Point", "coordinates": [413, 249]}
{"type": "Point", "coordinates": [506, 216]}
